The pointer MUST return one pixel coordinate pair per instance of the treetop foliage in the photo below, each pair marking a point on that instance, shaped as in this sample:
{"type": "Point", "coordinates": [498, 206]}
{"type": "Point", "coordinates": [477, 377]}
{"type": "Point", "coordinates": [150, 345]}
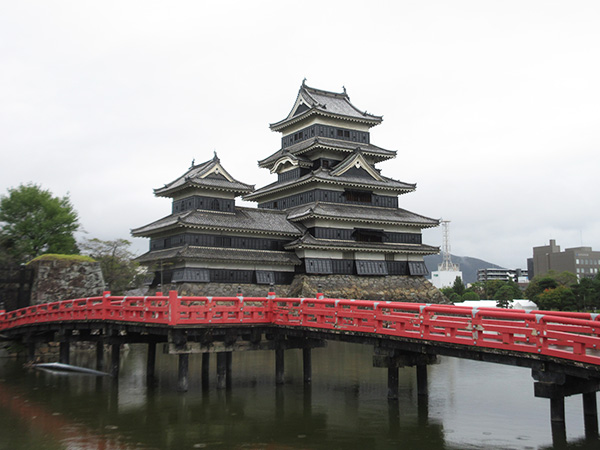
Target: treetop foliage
{"type": "Point", "coordinates": [503, 291]}
{"type": "Point", "coordinates": [35, 222]}
{"type": "Point", "coordinates": [119, 270]}
{"type": "Point", "coordinates": [564, 292]}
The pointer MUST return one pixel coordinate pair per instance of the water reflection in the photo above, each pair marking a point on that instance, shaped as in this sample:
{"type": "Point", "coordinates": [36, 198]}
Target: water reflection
{"type": "Point", "coordinates": [470, 405]}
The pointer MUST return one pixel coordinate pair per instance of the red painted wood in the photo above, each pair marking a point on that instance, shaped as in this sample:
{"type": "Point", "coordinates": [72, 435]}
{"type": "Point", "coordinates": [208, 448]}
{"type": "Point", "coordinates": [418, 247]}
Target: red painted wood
{"type": "Point", "coordinates": [572, 336]}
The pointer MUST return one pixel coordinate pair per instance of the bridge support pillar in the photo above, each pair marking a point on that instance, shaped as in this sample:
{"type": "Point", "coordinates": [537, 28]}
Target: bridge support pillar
{"type": "Point", "coordinates": [31, 352]}
{"type": "Point", "coordinates": [115, 359]}
{"type": "Point", "coordinates": [557, 409]}
{"type": "Point", "coordinates": [205, 370]}
{"type": "Point", "coordinates": [279, 366]}
{"type": "Point", "coordinates": [228, 364]}
{"type": "Point", "coordinates": [422, 388]}
{"type": "Point", "coordinates": [392, 359]}
{"type": "Point", "coordinates": [64, 352]}
{"type": "Point", "coordinates": [558, 385]}
{"type": "Point", "coordinates": [307, 365]}
{"type": "Point", "coordinates": [150, 363]}
{"type": "Point", "coordinates": [182, 375]}
{"type": "Point", "coordinates": [590, 415]}
{"type": "Point", "coordinates": [100, 356]}
{"type": "Point", "coordinates": [392, 382]}
{"type": "Point", "coordinates": [223, 370]}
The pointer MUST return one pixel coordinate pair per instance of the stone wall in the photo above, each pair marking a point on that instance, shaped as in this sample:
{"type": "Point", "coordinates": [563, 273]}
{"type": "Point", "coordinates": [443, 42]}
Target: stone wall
{"type": "Point", "coordinates": [393, 288]}
{"type": "Point", "coordinates": [65, 278]}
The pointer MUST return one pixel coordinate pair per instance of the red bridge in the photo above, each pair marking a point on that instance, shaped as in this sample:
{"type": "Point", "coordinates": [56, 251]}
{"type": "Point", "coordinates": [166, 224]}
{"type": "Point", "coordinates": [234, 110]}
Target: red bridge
{"type": "Point", "coordinates": [560, 348]}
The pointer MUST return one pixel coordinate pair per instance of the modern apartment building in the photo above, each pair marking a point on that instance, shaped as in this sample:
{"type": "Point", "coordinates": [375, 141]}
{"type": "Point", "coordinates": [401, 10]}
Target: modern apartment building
{"type": "Point", "coordinates": [516, 275]}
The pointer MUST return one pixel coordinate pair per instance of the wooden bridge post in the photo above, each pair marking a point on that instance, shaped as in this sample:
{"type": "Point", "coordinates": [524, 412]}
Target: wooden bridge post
{"type": "Point", "coordinates": [392, 392]}
{"type": "Point", "coordinates": [228, 364]}
{"type": "Point", "coordinates": [392, 359]}
{"type": "Point", "coordinates": [279, 366]}
{"type": "Point", "coordinates": [205, 370]}
{"type": "Point", "coordinates": [422, 388]}
{"type": "Point", "coordinates": [115, 359]}
{"type": "Point", "coordinates": [590, 415]}
{"type": "Point", "coordinates": [151, 364]}
{"type": "Point", "coordinates": [31, 352]}
{"type": "Point", "coordinates": [182, 373]}
{"type": "Point", "coordinates": [307, 365]}
{"type": "Point", "coordinates": [100, 356]}
{"type": "Point", "coordinates": [556, 385]}
{"type": "Point", "coordinates": [64, 352]}
{"type": "Point", "coordinates": [221, 370]}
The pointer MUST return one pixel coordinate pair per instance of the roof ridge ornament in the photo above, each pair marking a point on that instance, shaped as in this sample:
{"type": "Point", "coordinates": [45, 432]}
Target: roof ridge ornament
{"type": "Point", "coordinates": [215, 157]}
{"type": "Point", "coordinates": [193, 163]}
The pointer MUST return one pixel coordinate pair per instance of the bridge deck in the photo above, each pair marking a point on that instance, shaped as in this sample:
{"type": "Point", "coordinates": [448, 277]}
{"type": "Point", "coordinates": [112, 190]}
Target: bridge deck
{"type": "Point", "coordinates": [487, 334]}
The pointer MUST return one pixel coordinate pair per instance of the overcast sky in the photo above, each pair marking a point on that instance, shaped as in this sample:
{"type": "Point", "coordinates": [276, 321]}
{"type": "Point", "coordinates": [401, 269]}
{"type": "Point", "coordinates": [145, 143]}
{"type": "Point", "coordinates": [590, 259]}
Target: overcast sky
{"type": "Point", "coordinates": [492, 106]}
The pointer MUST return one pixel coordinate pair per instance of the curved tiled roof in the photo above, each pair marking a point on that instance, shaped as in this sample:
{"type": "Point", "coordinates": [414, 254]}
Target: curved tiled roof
{"type": "Point", "coordinates": [324, 176]}
{"type": "Point", "coordinates": [309, 241]}
{"type": "Point", "coordinates": [359, 213]}
{"type": "Point", "coordinates": [378, 154]}
{"type": "Point", "coordinates": [247, 220]}
{"type": "Point", "coordinates": [326, 103]}
{"type": "Point", "coordinates": [209, 174]}
{"type": "Point", "coordinates": [219, 254]}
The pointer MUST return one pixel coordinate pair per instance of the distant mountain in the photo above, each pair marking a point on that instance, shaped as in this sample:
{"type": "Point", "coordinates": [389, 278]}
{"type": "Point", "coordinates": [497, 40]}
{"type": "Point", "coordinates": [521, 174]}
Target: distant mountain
{"type": "Point", "coordinates": [468, 265]}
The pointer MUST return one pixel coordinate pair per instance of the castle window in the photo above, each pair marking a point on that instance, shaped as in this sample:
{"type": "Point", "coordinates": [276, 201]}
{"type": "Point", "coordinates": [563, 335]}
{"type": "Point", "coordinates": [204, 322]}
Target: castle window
{"type": "Point", "coordinates": [340, 133]}
{"type": "Point", "coordinates": [368, 235]}
{"type": "Point", "coordinates": [358, 196]}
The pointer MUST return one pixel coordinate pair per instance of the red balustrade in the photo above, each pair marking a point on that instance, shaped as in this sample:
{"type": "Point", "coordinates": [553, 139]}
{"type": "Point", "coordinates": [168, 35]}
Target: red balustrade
{"type": "Point", "coordinates": [573, 336]}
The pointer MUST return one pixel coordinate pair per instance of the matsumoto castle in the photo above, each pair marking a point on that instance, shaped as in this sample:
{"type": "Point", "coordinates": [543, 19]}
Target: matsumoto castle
{"type": "Point", "coordinates": [331, 219]}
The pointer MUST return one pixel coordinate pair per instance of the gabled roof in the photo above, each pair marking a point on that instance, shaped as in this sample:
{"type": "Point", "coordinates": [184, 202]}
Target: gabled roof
{"type": "Point", "coordinates": [357, 162]}
{"type": "Point", "coordinates": [207, 175]}
{"type": "Point", "coordinates": [359, 213]}
{"type": "Point", "coordinates": [311, 101]}
{"type": "Point", "coordinates": [293, 160]}
{"type": "Point", "coordinates": [377, 154]}
{"type": "Point", "coordinates": [322, 175]}
{"type": "Point", "coordinates": [220, 255]}
{"type": "Point", "coordinates": [246, 220]}
{"type": "Point", "coordinates": [308, 241]}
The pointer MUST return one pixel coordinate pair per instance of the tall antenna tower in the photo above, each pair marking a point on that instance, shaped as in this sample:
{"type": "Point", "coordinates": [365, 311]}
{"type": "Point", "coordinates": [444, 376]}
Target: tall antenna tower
{"type": "Point", "coordinates": [447, 265]}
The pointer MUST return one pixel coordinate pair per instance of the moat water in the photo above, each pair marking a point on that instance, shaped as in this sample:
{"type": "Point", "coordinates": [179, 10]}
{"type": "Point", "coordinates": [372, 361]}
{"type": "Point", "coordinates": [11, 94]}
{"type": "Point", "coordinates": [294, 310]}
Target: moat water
{"type": "Point", "coordinates": [471, 405]}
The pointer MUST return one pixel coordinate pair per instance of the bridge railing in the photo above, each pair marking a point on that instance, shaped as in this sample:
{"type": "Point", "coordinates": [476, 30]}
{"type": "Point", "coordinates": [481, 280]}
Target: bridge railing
{"type": "Point", "coordinates": [574, 336]}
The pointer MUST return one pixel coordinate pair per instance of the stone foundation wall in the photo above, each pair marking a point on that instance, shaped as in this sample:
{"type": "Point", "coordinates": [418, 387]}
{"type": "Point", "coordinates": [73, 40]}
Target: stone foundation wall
{"type": "Point", "coordinates": [392, 288]}
{"type": "Point", "coordinates": [64, 278]}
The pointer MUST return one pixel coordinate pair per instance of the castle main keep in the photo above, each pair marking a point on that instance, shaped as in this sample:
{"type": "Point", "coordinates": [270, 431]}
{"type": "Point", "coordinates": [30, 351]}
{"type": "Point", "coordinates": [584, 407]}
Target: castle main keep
{"type": "Point", "coordinates": [331, 219]}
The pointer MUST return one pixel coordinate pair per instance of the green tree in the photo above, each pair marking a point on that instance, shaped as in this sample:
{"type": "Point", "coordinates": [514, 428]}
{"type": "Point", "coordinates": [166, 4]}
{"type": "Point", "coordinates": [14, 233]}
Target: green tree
{"type": "Point", "coordinates": [35, 222]}
{"type": "Point", "coordinates": [478, 287]}
{"type": "Point", "coordinates": [470, 295]}
{"type": "Point", "coordinates": [560, 298]}
{"type": "Point", "coordinates": [458, 287]}
{"type": "Point", "coordinates": [550, 280]}
{"type": "Point", "coordinates": [447, 291]}
{"type": "Point", "coordinates": [587, 293]}
{"type": "Point", "coordinates": [507, 293]}
{"type": "Point", "coordinates": [492, 287]}
{"type": "Point", "coordinates": [119, 270]}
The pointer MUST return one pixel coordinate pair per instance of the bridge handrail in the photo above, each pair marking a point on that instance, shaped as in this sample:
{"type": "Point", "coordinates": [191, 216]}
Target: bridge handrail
{"type": "Point", "coordinates": [573, 336]}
